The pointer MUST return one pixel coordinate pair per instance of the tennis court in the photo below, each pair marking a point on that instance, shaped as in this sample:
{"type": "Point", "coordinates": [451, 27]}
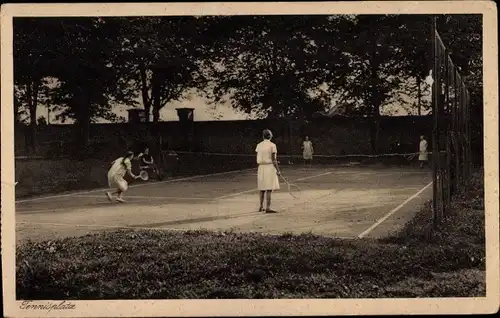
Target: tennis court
{"type": "Point", "coordinates": [345, 201]}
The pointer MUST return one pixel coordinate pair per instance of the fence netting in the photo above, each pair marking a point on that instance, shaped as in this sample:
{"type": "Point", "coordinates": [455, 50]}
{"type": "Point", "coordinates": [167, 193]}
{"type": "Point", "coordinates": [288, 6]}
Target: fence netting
{"type": "Point", "coordinates": [451, 128]}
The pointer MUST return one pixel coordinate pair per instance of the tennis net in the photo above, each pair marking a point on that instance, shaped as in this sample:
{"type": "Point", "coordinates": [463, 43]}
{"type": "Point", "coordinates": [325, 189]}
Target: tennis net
{"type": "Point", "coordinates": [181, 163]}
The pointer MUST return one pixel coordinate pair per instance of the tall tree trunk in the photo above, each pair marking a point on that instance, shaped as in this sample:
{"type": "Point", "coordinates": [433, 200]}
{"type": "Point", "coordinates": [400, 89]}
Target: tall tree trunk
{"type": "Point", "coordinates": [156, 95]}
{"type": "Point", "coordinates": [144, 89]}
{"type": "Point", "coordinates": [156, 114]}
{"type": "Point", "coordinates": [34, 104]}
{"type": "Point", "coordinates": [30, 132]}
{"type": "Point", "coordinates": [375, 94]}
{"type": "Point", "coordinates": [375, 131]}
{"type": "Point", "coordinates": [375, 101]}
{"type": "Point", "coordinates": [32, 94]}
{"type": "Point", "coordinates": [419, 95]}
{"type": "Point", "coordinates": [83, 116]}
{"type": "Point", "coordinates": [17, 104]}
{"type": "Point", "coordinates": [155, 102]}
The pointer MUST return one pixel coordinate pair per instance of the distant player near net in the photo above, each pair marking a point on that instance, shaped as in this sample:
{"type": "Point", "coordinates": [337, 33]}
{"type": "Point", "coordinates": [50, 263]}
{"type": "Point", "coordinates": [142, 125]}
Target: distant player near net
{"type": "Point", "coordinates": [422, 154]}
{"type": "Point", "coordinates": [307, 151]}
{"type": "Point", "coordinates": [268, 171]}
{"type": "Point", "coordinates": [147, 161]}
{"type": "Point", "coordinates": [116, 174]}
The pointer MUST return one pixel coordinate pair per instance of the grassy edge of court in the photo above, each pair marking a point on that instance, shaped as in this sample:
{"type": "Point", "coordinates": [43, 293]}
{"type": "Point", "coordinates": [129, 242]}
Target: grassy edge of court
{"type": "Point", "coordinates": [128, 264]}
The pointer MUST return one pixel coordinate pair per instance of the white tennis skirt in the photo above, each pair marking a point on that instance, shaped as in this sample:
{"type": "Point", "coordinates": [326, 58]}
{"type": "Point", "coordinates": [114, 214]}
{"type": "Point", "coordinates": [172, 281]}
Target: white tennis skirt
{"type": "Point", "coordinates": [267, 178]}
{"type": "Point", "coordinates": [307, 155]}
{"type": "Point", "coordinates": [422, 156]}
{"type": "Point", "coordinates": [117, 182]}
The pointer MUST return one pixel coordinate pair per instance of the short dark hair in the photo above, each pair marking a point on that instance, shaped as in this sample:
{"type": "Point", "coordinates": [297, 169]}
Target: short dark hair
{"type": "Point", "coordinates": [266, 134]}
{"type": "Point", "coordinates": [127, 154]}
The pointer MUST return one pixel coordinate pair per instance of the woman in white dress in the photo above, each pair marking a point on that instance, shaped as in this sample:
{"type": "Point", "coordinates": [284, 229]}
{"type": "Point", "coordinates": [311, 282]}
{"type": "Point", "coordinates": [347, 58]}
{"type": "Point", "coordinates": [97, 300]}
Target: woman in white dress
{"type": "Point", "coordinates": [268, 171]}
{"type": "Point", "coordinates": [116, 174]}
{"type": "Point", "coordinates": [307, 151]}
{"type": "Point", "coordinates": [422, 156]}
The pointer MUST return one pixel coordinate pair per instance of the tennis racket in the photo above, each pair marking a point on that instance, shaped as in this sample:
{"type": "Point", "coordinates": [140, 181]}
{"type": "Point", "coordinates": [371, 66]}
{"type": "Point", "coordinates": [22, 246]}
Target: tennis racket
{"type": "Point", "coordinates": [144, 175]}
{"type": "Point", "coordinates": [410, 157]}
{"type": "Point", "coordinates": [293, 189]}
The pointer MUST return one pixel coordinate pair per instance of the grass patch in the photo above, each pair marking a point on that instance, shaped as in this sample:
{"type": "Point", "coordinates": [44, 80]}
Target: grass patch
{"type": "Point", "coordinates": [128, 264]}
{"type": "Point", "coordinates": [462, 224]}
{"type": "Point", "coordinates": [48, 176]}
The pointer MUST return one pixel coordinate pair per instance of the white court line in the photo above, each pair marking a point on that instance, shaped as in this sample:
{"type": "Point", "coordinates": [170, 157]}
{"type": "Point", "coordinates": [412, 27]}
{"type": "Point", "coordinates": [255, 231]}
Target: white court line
{"type": "Point", "coordinates": [146, 197]}
{"type": "Point", "coordinates": [255, 189]}
{"type": "Point", "coordinates": [103, 226]}
{"type": "Point", "coordinates": [132, 186]}
{"type": "Point", "coordinates": [385, 217]}
{"type": "Point", "coordinates": [38, 211]}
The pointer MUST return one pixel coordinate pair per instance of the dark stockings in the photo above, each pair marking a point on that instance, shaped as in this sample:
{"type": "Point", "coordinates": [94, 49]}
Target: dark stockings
{"type": "Point", "coordinates": [268, 199]}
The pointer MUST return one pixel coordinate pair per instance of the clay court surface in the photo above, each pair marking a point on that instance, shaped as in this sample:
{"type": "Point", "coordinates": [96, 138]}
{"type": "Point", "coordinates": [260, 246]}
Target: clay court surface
{"type": "Point", "coordinates": [346, 202]}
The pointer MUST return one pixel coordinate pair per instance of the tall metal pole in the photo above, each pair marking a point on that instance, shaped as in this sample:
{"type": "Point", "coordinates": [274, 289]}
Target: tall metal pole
{"type": "Point", "coordinates": [435, 131]}
{"type": "Point", "coordinates": [290, 139]}
{"type": "Point", "coordinates": [456, 153]}
{"type": "Point", "coordinates": [446, 171]}
{"type": "Point", "coordinates": [469, 141]}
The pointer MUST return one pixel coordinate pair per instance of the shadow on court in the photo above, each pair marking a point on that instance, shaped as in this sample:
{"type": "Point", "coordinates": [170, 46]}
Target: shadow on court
{"type": "Point", "coordinates": [350, 202]}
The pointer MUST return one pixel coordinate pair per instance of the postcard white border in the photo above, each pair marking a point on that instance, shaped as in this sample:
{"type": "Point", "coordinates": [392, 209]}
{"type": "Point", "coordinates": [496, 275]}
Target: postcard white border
{"type": "Point", "coordinates": [176, 308]}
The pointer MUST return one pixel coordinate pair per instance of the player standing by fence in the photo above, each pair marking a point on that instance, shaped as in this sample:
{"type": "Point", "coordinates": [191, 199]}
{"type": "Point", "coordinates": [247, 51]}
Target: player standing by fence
{"type": "Point", "coordinates": [422, 157]}
{"type": "Point", "coordinates": [307, 151]}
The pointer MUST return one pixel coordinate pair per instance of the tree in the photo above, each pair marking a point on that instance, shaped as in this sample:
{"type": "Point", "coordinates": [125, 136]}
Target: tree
{"type": "Point", "coordinates": [461, 35]}
{"type": "Point", "coordinates": [273, 65]}
{"type": "Point", "coordinates": [27, 100]}
{"type": "Point", "coordinates": [19, 109]}
{"type": "Point", "coordinates": [82, 58]}
{"type": "Point", "coordinates": [30, 70]}
{"type": "Point", "coordinates": [414, 43]}
{"type": "Point", "coordinates": [161, 56]}
{"type": "Point", "coordinates": [78, 53]}
{"type": "Point", "coordinates": [376, 71]}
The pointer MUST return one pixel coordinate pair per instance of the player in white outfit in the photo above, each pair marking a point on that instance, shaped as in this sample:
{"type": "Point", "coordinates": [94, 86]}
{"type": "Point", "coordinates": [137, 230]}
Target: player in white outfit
{"type": "Point", "coordinates": [307, 151]}
{"type": "Point", "coordinates": [268, 171]}
{"type": "Point", "coordinates": [422, 156]}
{"type": "Point", "coordinates": [116, 174]}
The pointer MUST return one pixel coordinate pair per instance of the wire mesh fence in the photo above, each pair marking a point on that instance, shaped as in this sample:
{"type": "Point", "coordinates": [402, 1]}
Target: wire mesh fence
{"type": "Point", "coordinates": [452, 154]}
